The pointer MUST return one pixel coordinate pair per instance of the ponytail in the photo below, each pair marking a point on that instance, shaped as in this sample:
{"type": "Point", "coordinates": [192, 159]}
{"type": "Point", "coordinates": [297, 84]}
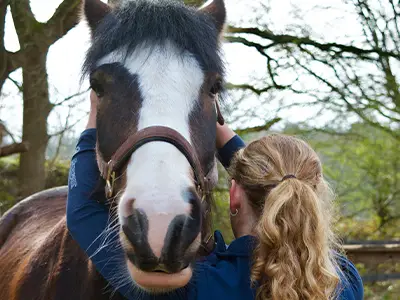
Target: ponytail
{"type": "Point", "coordinates": [293, 259]}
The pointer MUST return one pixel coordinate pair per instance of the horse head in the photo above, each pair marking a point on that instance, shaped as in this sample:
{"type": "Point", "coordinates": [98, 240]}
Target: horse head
{"type": "Point", "coordinates": [157, 70]}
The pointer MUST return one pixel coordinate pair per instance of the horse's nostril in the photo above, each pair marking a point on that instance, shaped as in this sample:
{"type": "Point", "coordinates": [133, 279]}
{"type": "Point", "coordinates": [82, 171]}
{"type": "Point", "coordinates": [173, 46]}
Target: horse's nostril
{"type": "Point", "coordinates": [135, 228]}
{"type": "Point", "coordinates": [180, 246]}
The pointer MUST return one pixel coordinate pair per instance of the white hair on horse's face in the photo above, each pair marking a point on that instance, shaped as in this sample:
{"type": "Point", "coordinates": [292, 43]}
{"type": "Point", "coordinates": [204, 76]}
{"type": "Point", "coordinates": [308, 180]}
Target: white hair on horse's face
{"type": "Point", "coordinates": [157, 63]}
{"type": "Point", "coordinates": [158, 174]}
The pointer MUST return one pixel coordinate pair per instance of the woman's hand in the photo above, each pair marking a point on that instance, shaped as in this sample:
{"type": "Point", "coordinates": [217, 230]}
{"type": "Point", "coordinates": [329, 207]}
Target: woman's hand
{"type": "Point", "coordinates": [94, 100]}
{"type": "Point", "coordinates": [224, 135]}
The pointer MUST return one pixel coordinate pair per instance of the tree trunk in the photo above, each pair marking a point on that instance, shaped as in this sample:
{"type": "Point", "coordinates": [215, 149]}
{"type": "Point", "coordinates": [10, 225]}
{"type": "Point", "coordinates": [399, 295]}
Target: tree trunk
{"type": "Point", "coordinates": [34, 131]}
{"type": "Point", "coordinates": [35, 39]}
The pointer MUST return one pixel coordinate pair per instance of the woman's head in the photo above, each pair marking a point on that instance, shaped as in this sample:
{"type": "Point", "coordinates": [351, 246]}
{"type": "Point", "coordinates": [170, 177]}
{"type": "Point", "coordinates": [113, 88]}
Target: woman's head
{"type": "Point", "coordinates": [279, 189]}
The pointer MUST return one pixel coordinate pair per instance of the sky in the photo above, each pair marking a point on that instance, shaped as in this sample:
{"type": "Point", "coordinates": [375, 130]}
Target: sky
{"type": "Point", "coordinates": [66, 56]}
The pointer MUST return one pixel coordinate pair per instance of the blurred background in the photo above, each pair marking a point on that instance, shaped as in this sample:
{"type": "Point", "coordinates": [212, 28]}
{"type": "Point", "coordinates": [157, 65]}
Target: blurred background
{"type": "Point", "coordinates": [327, 71]}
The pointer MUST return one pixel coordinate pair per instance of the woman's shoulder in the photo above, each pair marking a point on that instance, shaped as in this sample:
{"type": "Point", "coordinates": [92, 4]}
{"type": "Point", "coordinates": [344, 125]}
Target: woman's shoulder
{"type": "Point", "coordinates": [351, 286]}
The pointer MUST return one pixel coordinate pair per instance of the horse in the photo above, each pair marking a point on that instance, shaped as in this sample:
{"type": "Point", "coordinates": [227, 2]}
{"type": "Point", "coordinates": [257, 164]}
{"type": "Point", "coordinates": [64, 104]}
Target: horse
{"type": "Point", "coordinates": [157, 69]}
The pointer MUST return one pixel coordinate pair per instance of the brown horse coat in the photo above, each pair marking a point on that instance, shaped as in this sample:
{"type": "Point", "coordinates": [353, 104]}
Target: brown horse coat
{"type": "Point", "coordinates": [39, 257]}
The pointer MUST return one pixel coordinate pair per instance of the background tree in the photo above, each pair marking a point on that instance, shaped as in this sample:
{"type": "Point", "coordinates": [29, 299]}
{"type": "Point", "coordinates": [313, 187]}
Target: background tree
{"type": "Point", "coordinates": [35, 39]}
{"type": "Point", "coordinates": [358, 78]}
{"type": "Point", "coordinates": [362, 166]}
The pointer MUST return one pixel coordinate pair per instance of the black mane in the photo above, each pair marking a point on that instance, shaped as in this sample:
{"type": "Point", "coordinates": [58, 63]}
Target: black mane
{"type": "Point", "coordinates": [156, 22]}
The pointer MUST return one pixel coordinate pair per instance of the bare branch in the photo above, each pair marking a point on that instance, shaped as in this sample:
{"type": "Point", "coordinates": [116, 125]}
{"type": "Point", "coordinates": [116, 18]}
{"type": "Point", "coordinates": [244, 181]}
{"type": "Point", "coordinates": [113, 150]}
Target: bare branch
{"type": "Point", "coordinates": [9, 62]}
{"type": "Point", "coordinates": [60, 138]}
{"type": "Point", "coordinates": [8, 132]}
{"type": "Point", "coordinates": [65, 129]}
{"type": "Point", "coordinates": [264, 127]}
{"type": "Point", "coordinates": [350, 106]}
{"type": "Point", "coordinates": [71, 97]}
{"type": "Point", "coordinates": [290, 39]}
{"type": "Point", "coordinates": [13, 149]}
{"type": "Point", "coordinates": [16, 83]}
{"type": "Point", "coordinates": [250, 87]}
{"type": "Point", "coordinates": [24, 20]}
{"type": "Point", "coordinates": [64, 18]}
{"type": "Point", "coordinates": [241, 40]}
{"type": "Point", "coordinates": [14, 61]}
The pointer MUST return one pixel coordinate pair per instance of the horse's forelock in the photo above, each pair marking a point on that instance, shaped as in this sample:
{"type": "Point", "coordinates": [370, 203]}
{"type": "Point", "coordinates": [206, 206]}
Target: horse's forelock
{"type": "Point", "coordinates": [156, 22]}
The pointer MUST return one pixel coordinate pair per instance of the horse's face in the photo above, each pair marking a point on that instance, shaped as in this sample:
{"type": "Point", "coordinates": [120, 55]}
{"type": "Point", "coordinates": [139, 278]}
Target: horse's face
{"type": "Point", "coordinates": [157, 63]}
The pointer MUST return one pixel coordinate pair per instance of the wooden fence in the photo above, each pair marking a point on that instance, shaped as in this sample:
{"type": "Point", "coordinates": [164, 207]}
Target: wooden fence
{"type": "Point", "coordinates": [373, 253]}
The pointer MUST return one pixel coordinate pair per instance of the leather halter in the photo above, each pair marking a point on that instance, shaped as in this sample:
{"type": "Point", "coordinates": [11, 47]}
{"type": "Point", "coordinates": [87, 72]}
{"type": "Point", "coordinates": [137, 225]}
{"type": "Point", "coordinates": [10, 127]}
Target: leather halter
{"type": "Point", "coordinates": [150, 134]}
{"type": "Point", "coordinates": [144, 136]}
{"type": "Point", "coordinates": [164, 134]}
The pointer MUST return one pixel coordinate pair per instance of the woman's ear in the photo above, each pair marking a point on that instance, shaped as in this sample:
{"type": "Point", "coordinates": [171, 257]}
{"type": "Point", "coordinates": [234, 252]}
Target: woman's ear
{"type": "Point", "coordinates": [235, 196]}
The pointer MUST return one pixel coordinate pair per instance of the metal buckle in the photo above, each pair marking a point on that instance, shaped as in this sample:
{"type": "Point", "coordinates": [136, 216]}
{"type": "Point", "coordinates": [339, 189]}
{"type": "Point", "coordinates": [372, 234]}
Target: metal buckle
{"type": "Point", "coordinates": [205, 242]}
{"type": "Point", "coordinates": [203, 198]}
{"type": "Point", "coordinates": [110, 181]}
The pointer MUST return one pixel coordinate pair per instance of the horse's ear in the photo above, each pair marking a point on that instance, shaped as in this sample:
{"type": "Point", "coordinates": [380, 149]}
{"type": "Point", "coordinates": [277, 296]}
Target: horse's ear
{"type": "Point", "coordinates": [95, 11]}
{"type": "Point", "coordinates": [216, 8]}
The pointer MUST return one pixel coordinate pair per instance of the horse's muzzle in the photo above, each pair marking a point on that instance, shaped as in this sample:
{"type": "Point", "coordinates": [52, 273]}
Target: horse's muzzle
{"type": "Point", "coordinates": [178, 246]}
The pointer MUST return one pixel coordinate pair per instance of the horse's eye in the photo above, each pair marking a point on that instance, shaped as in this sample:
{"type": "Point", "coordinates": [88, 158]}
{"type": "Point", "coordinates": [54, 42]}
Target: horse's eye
{"type": "Point", "coordinates": [97, 88]}
{"type": "Point", "coordinates": [216, 88]}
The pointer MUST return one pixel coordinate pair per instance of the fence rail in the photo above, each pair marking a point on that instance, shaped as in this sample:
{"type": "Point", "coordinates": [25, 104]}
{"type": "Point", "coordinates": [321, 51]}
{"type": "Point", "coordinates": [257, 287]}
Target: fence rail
{"type": "Point", "coordinates": [372, 253]}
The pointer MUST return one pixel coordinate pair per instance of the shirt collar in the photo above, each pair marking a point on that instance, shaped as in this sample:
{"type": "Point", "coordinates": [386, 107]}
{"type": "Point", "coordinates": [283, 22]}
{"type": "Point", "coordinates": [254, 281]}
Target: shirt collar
{"type": "Point", "coordinates": [242, 246]}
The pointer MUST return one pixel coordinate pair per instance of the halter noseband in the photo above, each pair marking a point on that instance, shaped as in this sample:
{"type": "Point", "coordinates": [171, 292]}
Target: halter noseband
{"type": "Point", "coordinates": [150, 134]}
{"type": "Point", "coordinates": [144, 136]}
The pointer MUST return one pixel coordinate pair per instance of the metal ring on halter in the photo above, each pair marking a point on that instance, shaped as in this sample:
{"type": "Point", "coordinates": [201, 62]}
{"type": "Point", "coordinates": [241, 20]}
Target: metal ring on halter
{"type": "Point", "coordinates": [235, 214]}
{"type": "Point", "coordinates": [209, 238]}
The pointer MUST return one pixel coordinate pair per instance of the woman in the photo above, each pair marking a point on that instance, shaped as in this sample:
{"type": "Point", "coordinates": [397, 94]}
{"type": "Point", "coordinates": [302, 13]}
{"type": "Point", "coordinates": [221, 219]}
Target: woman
{"type": "Point", "coordinates": [280, 216]}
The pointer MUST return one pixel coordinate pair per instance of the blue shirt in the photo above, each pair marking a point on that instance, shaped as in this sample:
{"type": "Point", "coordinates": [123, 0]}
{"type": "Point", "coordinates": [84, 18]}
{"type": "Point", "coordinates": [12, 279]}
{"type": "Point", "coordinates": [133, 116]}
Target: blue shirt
{"type": "Point", "coordinates": [224, 274]}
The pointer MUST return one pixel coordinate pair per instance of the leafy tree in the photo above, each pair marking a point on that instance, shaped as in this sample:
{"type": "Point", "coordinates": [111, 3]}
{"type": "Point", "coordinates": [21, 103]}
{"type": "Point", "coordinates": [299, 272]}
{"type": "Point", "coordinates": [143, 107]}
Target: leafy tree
{"type": "Point", "coordinates": [362, 165]}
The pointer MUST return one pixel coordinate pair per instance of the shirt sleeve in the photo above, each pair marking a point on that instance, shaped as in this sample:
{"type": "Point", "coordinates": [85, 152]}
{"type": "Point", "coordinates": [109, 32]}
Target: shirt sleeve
{"type": "Point", "coordinates": [88, 220]}
{"type": "Point", "coordinates": [226, 153]}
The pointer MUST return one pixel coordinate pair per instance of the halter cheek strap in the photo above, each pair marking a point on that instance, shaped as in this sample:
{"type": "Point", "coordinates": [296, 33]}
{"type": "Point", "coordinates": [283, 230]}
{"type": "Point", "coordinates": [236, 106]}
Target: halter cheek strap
{"type": "Point", "coordinates": [220, 118]}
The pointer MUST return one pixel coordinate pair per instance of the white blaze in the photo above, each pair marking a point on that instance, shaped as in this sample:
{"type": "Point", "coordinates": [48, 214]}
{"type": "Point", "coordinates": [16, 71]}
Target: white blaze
{"type": "Point", "coordinates": [158, 173]}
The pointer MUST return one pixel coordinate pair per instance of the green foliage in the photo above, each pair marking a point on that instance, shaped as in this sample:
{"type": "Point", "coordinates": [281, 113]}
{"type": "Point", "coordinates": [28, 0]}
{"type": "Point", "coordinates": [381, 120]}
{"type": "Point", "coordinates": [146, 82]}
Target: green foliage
{"type": "Point", "coordinates": [386, 290]}
{"type": "Point", "coordinates": [56, 175]}
{"type": "Point", "coordinates": [364, 169]}
{"type": "Point", "coordinates": [8, 183]}
{"type": "Point", "coordinates": [221, 220]}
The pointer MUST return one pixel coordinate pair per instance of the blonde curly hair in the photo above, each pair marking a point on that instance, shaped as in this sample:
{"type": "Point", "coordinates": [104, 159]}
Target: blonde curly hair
{"type": "Point", "coordinates": [294, 258]}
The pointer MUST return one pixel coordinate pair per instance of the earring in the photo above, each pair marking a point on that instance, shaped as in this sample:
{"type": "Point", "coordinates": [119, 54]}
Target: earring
{"type": "Point", "coordinates": [234, 214]}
